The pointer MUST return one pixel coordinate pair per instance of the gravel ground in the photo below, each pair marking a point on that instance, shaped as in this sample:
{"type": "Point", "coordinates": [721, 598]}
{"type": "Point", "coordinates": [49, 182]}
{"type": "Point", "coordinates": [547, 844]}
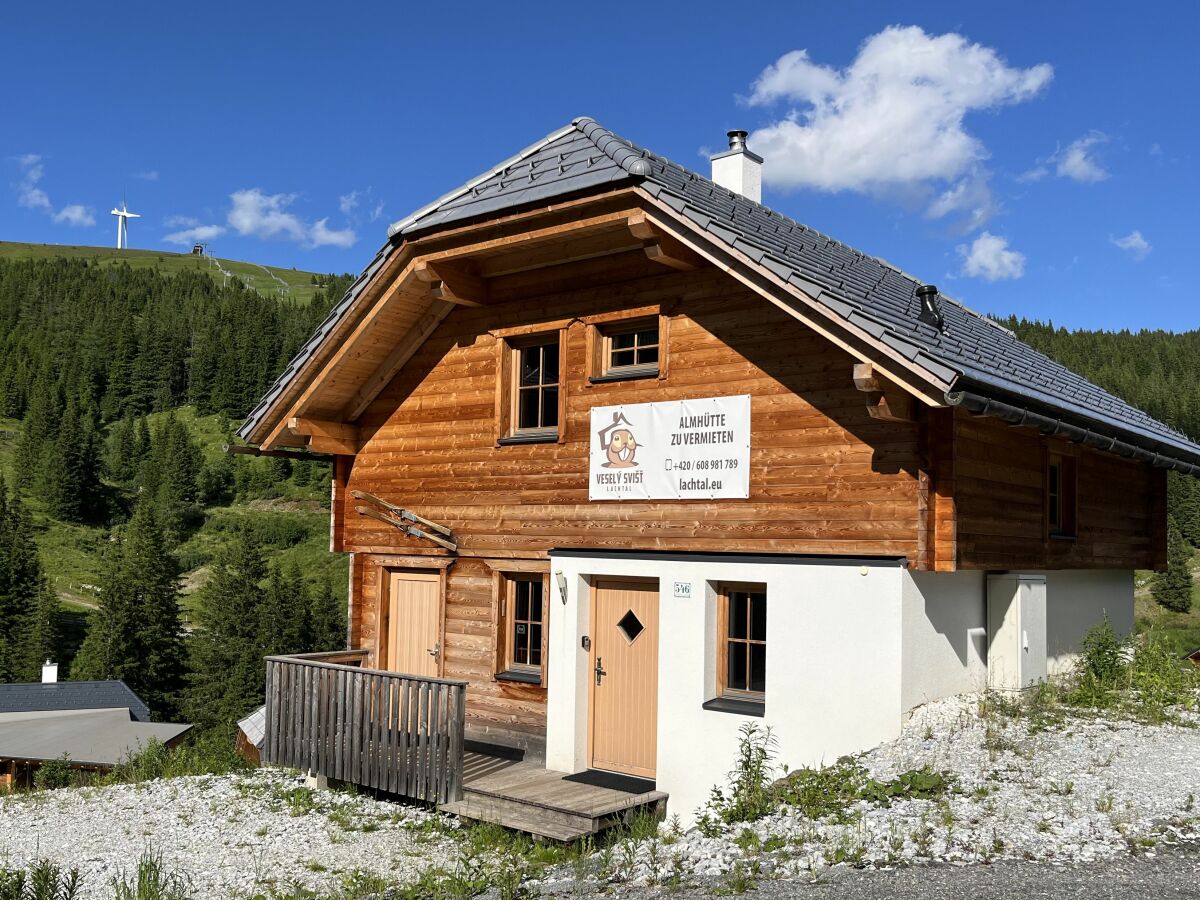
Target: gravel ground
{"type": "Point", "coordinates": [1090, 790]}
{"type": "Point", "coordinates": [230, 835]}
{"type": "Point", "coordinates": [1172, 873]}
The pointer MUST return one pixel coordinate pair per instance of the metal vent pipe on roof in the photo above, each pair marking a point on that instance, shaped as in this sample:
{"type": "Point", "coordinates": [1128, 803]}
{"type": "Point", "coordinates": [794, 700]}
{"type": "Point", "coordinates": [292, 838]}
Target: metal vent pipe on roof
{"type": "Point", "coordinates": [931, 312]}
{"type": "Point", "coordinates": [739, 169]}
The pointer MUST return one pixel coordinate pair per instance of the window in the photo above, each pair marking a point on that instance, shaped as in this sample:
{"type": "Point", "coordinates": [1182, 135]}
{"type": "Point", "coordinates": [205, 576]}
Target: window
{"type": "Point", "coordinates": [522, 627]}
{"type": "Point", "coordinates": [741, 649]}
{"type": "Point", "coordinates": [1060, 496]}
{"type": "Point", "coordinates": [533, 389]}
{"type": "Point", "coordinates": [626, 347]}
{"type": "Point", "coordinates": [631, 350]}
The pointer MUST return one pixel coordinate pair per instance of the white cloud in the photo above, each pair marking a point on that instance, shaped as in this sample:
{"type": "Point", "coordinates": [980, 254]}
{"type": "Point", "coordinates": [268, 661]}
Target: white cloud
{"type": "Point", "coordinates": [256, 214]}
{"type": "Point", "coordinates": [348, 202]}
{"type": "Point", "coordinates": [321, 235]}
{"type": "Point", "coordinates": [196, 234]}
{"type": "Point", "coordinates": [181, 221]}
{"type": "Point", "coordinates": [1078, 161]}
{"type": "Point", "coordinates": [377, 212]}
{"type": "Point", "coordinates": [1037, 173]}
{"type": "Point", "coordinates": [147, 175]}
{"type": "Point", "coordinates": [892, 122]}
{"type": "Point", "coordinates": [1133, 244]}
{"type": "Point", "coordinates": [970, 198]}
{"type": "Point", "coordinates": [989, 257]}
{"type": "Point", "coordinates": [260, 215]}
{"type": "Point", "coordinates": [31, 196]}
{"type": "Point", "coordinates": [76, 215]}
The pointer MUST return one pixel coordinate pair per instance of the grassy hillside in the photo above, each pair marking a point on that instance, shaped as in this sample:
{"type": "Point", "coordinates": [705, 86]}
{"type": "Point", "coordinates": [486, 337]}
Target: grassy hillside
{"type": "Point", "coordinates": [290, 283]}
{"type": "Point", "coordinates": [294, 527]}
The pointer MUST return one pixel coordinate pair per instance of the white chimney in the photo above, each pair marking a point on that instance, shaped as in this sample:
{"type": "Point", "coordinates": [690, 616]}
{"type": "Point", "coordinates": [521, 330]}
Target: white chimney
{"type": "Point", "coordinates": [738, 169]}
{"type": "Point", "coordinates": [49, 672]}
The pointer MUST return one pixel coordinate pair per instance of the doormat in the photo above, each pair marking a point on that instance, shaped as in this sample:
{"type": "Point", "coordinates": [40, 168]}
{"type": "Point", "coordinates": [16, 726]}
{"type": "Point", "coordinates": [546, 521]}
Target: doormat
{"type": "Point", "coordinates": [613, 780]}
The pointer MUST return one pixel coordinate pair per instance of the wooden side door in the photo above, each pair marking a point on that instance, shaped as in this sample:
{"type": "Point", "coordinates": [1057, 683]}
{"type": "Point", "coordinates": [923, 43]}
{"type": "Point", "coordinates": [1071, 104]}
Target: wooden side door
{"type": "Point", "coordinates": [414, 623]}
{"type": "Point", "coordinates": [624, 679]}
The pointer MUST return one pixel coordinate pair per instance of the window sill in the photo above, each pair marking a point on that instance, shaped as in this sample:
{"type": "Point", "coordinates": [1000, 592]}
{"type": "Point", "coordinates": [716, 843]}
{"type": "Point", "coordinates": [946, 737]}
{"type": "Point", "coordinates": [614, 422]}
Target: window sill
{"type": "Point", "coordinates": [737, 706]}
{"type": "Point", "coordinates": [1062, 537]}
{"type": "Point", "coordinates": [630, 375]}
{"type": "Point", "coordinates": [520, 677]}
{"type": "Point", "coordinates": [530, 437]}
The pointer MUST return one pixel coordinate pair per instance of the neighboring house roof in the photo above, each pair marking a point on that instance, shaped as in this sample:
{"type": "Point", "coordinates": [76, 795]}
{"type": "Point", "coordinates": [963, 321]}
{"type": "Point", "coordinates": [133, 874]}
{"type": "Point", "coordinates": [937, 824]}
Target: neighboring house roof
{"type": "Point", "coordinates": [68, 695]}
{"type": "Point", "coordinates": [90, 737]}
{"type": "Point", "coordinates": [978, 358]}
{"type": "Point", "coordinates": [254, 727]}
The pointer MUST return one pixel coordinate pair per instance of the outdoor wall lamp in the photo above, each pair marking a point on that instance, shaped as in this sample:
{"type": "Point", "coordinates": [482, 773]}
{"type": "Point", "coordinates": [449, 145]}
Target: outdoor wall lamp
{"type": "Point", "coordinates": [562, 586]}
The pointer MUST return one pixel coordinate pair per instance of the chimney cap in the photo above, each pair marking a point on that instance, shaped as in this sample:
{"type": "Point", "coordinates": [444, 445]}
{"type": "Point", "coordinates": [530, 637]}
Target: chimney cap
{"type": "Point", "coordinates": [927, 290]}
{"type": "Point", "coordinates": [737, 139]}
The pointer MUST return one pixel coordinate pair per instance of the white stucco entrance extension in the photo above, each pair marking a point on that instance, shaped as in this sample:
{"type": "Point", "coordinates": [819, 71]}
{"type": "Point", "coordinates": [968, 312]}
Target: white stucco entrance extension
{"type": "Point", "coordinates": [852, 645]}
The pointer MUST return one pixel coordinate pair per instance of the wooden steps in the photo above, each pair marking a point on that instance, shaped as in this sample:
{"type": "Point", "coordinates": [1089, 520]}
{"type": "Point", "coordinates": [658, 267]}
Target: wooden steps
{"type": "Point", "coordinates": [526, 797]}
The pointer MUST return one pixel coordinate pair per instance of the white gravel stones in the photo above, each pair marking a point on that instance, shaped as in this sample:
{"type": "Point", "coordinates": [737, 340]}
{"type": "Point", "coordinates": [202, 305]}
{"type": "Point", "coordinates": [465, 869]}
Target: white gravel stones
{"type": "Point", "coordinates": [1087, 790]}
{"type": "Point", "coordinates": [230, 835]}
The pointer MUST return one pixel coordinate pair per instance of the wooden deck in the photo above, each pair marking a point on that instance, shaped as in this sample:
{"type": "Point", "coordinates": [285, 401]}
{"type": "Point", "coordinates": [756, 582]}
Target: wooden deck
{"type": "Point", "coordinates": [526, 797]}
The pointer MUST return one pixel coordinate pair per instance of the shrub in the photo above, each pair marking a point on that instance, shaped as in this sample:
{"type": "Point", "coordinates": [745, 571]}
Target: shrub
{"type": "Point", "coordinates": [815, 793]}
{"type": "Point", "coordinates": [54, 774]}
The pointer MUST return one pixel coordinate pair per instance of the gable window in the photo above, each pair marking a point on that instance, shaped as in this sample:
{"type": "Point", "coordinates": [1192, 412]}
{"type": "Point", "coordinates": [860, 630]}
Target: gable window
{"type": "Point", "coordinates": [1060, 496]}
{"type": "Point", "coordinates": [630, 350]}
{"type": "Point", "coordinates": [741, 649]}
{"type": "Point", "coordinates": [532, 389]}
{"type": "Point", "coordinates": [522, 628]}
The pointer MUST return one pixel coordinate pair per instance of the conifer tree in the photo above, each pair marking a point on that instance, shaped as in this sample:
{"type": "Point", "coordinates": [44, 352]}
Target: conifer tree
{"type": "Point", "coordinates": [70, 476]}
{"type": "Point", "coordinates": [327, 618]}
{"type": "Point", "coordinates": [1173, 588]}
{"type": "Point", "coordinates": [136, 634]}
{"type": "Point", "coordinates": [28, 607]}
{"type": "Point", "coordinates": [228, 672]}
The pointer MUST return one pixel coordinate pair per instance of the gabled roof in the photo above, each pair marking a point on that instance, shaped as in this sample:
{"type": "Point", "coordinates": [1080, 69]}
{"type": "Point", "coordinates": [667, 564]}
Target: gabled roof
{"type": "Point", "coordinates": [72, 695]}
{"type": "Point", "coordinates": [980, 360]}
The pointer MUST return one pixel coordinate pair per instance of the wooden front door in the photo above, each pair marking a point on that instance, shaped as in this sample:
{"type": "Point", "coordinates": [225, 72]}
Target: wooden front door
{"type": "Point", "coordinates": [624, 677]}
{"type": "Point", "coordinates": [414, 623]}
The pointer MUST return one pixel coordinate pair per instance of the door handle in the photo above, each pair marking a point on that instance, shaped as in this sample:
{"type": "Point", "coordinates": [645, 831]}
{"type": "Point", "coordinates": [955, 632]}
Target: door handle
{"type": "Point", "coordinates": [436, 652]}
{"type": "Point", "coordinates": [600, 673]}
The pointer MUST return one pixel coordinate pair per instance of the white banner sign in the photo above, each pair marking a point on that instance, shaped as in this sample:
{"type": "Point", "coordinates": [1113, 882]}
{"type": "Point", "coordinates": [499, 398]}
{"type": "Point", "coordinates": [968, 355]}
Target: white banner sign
{"type": "Point", "coordinates": [678, 450]}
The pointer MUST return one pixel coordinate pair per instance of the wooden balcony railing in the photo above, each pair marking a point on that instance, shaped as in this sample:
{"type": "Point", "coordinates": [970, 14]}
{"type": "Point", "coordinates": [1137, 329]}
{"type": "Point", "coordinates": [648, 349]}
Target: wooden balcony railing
{"type": "Point", "coordinates": [398, 733]}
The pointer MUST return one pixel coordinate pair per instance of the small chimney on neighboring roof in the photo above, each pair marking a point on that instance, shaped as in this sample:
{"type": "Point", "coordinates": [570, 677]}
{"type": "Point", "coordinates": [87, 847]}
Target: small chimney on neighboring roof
{"type": "Point", "coordinates": [49, 672]}
{"type": "Point", "coordinates": [738, 169]}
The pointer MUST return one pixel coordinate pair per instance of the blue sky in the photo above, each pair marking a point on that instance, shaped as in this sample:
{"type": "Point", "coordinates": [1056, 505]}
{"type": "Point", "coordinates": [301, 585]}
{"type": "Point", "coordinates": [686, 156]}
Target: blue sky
{"type": "Point", "coordinates": [1034, 158]}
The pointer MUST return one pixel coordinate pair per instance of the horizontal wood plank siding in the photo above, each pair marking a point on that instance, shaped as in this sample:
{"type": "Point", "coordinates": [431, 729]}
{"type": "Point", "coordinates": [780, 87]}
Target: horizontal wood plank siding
{"type": "Point", "coordinates": [1000, 499]}
{"type": "Point", "coordinates": [825, 477]}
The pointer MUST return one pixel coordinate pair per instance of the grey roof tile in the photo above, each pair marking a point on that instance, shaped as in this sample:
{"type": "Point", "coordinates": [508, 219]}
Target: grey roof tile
{"type": "Point", "coordinates": [70, 695]}
{"type": "Point", "coordinates": [851, 284]}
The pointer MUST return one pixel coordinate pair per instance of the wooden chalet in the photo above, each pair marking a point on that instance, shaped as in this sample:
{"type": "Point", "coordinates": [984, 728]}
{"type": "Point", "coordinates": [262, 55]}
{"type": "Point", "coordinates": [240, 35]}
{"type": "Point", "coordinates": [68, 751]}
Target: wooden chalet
{"type": "Point", "coordinates": [593, 414]}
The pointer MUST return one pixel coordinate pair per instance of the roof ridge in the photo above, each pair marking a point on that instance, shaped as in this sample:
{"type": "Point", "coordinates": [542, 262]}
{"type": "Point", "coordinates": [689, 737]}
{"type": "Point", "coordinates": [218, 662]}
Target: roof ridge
{"type": "Point", "coordinates": [623, 154]}
{"type": "Point", "coordinates": [399, 225]}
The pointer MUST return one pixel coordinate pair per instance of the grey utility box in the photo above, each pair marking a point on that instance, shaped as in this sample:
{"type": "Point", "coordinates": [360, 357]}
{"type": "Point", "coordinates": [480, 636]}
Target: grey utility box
{"type": "Point", "coordinates": [1016, 613]}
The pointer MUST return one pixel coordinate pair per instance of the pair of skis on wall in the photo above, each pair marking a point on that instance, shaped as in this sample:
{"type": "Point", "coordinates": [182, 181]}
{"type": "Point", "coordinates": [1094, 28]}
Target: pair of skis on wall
{"type": "Point", "coordinates": [398, 517]}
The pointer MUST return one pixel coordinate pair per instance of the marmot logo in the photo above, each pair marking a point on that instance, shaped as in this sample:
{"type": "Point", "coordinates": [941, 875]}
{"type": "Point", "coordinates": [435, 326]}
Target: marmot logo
{"type": "Point", "coordinates": [620, 446]}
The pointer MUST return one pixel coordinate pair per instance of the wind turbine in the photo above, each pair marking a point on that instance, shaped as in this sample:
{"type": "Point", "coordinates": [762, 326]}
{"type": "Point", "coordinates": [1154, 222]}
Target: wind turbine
{"type": "Point", "coordinates": [123, 215]}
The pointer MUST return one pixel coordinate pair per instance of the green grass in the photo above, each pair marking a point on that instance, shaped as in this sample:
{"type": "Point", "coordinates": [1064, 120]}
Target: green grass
{"type": "Point", "coordinates": [300, 286]}
{"type": "Point", "coordinates": [1182, 630]}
